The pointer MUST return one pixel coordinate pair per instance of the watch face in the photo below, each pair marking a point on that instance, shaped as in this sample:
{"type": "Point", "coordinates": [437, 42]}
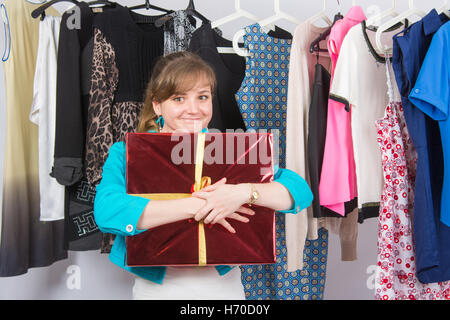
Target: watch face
{"type": "Point", "coordinates": [255, 195]}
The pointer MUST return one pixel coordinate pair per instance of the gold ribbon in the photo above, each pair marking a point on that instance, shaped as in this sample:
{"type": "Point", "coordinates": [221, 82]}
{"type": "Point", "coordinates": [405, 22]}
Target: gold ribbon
{"type": "Point", "coordinates": [200, 183]}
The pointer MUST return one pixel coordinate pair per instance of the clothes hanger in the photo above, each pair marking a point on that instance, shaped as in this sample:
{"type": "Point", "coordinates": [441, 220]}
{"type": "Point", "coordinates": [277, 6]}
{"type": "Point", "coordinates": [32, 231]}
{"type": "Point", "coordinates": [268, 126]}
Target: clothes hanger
{"type": "Point", "coordinates": [314, 47]}
{"type": "Point", "coordinates": [139, 18]}
{"type": "Point", "coordinates": [239, 13]}
{"type": "Point", "coordinates": [412, 11]}
{"type": "Point", "coordinates": [40, 12]}
{"type": "Point", "coordinates": [102, 2]}
{"type": "Point", "coordinates": [321, 15]}
{"type": "Point", "coordinates": [149, 6]}
{"type": "Point", "coordinates": [376, 19]}
{"type": "Point", "coordinates": [5, 19]}
{"type": "Point", "coordinates": [279, 15]}
{"type": "Point", "coordinates": [36, 1]}
{"type": "Point", "coordinates": [268, 22]}
{"type": "Point", "coordinates": [190, 11]}
{"type": "Point", "coordinates": [444, 9]}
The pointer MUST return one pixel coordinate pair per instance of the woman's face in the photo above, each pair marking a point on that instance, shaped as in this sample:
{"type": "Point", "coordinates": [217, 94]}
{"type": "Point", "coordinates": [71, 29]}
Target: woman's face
{"type": "Point", "coordinates": [190, 111]}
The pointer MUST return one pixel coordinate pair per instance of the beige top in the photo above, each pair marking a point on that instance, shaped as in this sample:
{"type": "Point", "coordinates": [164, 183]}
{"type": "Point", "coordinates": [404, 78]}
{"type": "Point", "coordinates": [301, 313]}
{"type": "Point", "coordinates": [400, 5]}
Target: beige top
{"type": "Point", "coordinates": [304, 226]}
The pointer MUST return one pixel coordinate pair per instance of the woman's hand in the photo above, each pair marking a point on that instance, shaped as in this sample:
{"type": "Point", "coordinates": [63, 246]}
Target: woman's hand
{"type": "Point", "coordinates": [223, 201]}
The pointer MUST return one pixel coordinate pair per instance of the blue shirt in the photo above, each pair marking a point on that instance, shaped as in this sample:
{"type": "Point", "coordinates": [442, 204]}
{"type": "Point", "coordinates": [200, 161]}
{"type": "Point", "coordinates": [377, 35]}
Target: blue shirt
{"type": "Point", "coordinates": [431, 95]}
{"type": "Point", "coordinates": [117, 212]}
{"type": "Point", "coordinates": [410, 49]}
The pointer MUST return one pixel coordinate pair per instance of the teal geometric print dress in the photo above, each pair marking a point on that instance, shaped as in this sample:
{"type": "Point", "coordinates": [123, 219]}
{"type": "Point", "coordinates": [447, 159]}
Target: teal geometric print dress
{"type": "Point", "coordinates": [262, 100]}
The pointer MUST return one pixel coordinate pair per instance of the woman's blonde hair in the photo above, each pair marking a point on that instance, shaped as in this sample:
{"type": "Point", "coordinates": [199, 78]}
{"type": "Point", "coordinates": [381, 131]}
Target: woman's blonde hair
{"type": "Point", "coordinates": [173, 74]}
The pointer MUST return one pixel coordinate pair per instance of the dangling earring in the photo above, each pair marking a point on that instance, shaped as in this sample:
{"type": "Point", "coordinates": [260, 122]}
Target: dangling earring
{"type": "Point", "coordinates": [160, 122]}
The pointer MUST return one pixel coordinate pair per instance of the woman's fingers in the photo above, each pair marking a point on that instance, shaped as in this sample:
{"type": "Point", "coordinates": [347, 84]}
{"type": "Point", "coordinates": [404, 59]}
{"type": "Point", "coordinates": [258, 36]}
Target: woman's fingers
{"type": "Point", "coordinates": [238, 217]}
{"type": "Point", "coordinates": [227, 226]}
{"type": "Point", "coordinates": [212, 187]}
{"type": "Point", "coordinates": [246, 210]}
{"type": "Point", "coordinates": [201, 194]}
{"type": "Point", "coordinates": [203, 212]}
{"type": "Point", "coordinates": [212, 215]}
{"type": "Point", "coordinates": [222, 221]}
{"type": "Point", "coordinates": [234, 216]}
{"type": "Point", "coordinates": [216, 215]}
{"type": "Point", "coordinates": [221, 181]}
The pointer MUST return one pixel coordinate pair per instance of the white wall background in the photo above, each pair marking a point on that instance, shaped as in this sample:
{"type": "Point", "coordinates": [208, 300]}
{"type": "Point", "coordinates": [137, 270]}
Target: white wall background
{"type": "Point", "coordinates": [90, 275]}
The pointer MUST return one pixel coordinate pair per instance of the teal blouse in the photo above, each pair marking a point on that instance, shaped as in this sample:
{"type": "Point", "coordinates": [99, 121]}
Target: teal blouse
{"type": "Point", "coordinates": [117, 213]}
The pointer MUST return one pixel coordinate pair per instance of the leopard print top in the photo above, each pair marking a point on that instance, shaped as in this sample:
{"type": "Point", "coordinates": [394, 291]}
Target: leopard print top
{"type": "Point", "coordinates": [108, 122]}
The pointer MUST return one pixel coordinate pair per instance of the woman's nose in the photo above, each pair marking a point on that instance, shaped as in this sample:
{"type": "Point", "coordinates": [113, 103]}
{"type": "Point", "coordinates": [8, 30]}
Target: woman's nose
{"type": "Point", "coordinates": [192, 106]}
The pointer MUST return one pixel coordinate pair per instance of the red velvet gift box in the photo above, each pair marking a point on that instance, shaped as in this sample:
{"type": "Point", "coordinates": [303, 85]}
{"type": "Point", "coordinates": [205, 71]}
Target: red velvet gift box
{"type": "Point", "coordinates": [170, 166]}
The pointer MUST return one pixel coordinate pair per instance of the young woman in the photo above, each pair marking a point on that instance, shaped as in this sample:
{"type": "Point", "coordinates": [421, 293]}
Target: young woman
{"type": "Point", "coordinates": [179, 97]}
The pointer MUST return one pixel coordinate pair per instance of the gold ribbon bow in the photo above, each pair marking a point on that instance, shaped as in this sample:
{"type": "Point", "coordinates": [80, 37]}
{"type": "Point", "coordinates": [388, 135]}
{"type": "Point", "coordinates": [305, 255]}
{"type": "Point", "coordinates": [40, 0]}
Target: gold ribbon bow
{"type": "Point", "coordinates": [200, 183]}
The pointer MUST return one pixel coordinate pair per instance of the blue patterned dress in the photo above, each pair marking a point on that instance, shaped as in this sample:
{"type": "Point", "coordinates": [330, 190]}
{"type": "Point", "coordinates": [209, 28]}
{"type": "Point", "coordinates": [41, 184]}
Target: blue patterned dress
{"type": "Point", "coordinates": [262, 101]}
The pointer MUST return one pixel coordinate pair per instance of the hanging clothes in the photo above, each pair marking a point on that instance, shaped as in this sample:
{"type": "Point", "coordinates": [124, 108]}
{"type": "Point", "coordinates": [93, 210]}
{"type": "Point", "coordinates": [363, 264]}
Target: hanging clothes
{"type": "Point", "coordinates": [43, 114]}
{"type": "Point", "coordinates": [396, 264]}
{"type": "Point", "coordinates": [74, 75]}
{"type": "Point", "coordinates": [336, 194]}
{"type": "Point", "coordinates": [337, 186]}
{"type": "Point", "coordinates": [178, 31]}
{"type": "Point", "coordinates": [230, 71]}
{"type": "Point", "coordinates": [359, 83]}
{"type": "Point", "coordinates": [262, 100]}
{"type": "Point", "coordinates": [123, 55]}
{"type": "Point", "coordinates": [434, 101]}
{"type": "Point", "coordinates": [431, 95]}
{"type": "Point", "coordinates": [300, 81]}
{"type": "Point", "coordinates": [346, 228]}
{"type": "Point", "coordinates": [409, 50]}
{"type": "Point", "coordinates": [5, 57]}
{"type": "Point", "coordinates": [317, 119]}
{"type": "Point", "coordinates": [26, 242]}
{"type": "Point", "coordinates": [316, 132]}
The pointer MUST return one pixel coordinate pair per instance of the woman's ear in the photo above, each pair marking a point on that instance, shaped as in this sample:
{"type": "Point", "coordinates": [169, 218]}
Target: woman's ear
{"type": "Point", "coordinates": [157, 108]}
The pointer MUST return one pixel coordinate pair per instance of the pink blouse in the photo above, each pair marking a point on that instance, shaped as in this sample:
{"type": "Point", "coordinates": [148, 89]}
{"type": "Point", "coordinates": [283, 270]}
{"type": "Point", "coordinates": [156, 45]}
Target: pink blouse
{"type": "Point", "coordinates": [338, 178]}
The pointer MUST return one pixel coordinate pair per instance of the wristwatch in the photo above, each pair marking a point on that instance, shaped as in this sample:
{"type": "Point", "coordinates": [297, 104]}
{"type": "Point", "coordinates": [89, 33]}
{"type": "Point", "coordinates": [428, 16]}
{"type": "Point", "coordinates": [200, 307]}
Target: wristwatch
{"type": "Point", "coordinates": [254, 195]}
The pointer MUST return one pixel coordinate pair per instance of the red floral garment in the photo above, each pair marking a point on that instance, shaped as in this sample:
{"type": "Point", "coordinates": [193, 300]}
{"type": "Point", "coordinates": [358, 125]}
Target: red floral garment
{"type": "Point", "coordinates": [396, 269]}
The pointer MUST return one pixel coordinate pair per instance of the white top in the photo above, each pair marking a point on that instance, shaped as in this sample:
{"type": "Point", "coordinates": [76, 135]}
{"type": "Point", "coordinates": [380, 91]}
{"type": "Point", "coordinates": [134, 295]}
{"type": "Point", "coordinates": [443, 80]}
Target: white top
{"type": "Point", "coordinates": [360, 80]}
{"type": "Point", "coordinates": [302, 63]}
{"type": "Point", "coordinates": [192, 283]}
{"type": "Point", "coordinates": [43, 113]}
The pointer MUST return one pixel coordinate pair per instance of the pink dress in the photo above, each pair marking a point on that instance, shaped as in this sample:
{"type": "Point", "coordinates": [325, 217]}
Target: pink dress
{"type": "Point", "coordinates": [396, 268]}
{"type": "Point", "coordinates": [338, 177]}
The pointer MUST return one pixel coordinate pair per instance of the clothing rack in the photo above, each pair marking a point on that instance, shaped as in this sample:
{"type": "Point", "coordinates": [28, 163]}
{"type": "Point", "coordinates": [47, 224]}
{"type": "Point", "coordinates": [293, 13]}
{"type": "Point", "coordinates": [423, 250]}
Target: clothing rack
{"type": "Point", "coordinates": [270, 21]}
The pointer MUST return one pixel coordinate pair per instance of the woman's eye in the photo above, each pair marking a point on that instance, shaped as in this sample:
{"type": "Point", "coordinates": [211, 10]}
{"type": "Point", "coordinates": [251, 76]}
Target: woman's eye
{"type": "Point", "coordinates": [204, 97]}
{"type": "Point", "coordinates": [178, 99]}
